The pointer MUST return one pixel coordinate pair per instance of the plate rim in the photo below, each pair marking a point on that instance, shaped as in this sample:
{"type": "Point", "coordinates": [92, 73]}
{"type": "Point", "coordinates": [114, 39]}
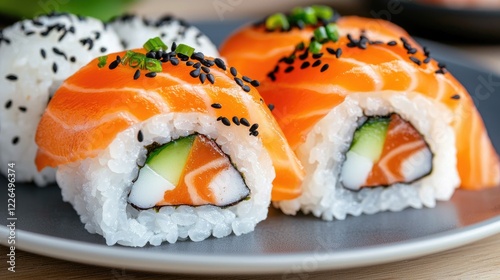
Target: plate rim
{"type": "Point", "coordinates": [152, 261]}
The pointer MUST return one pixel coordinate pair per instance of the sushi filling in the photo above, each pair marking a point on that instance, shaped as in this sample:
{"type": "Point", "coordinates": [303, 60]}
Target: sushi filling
{"type": "Point", "coordinates": [191, 170]}
{"type": "Point", "coordinates": [385, 151]}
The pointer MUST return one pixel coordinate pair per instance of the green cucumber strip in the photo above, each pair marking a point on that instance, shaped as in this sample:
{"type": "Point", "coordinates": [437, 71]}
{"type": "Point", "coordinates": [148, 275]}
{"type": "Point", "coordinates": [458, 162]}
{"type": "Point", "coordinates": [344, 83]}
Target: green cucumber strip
{"type": "Point", "coordinates": [170, 159]}
{"type": "Point", "coordinates": [369, 139]}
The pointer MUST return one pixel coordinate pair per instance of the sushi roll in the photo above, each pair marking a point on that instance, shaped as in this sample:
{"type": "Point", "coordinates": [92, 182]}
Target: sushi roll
{"type": "Point", "coordinates": [153, 150]}
{"type": "Point", "coordinates": [134, 29]}
{"type": "Point", "coordinates": [37, 55]}
{"type": "Point", "coordinates": [268, 40]}
{"type": "Point", "coordinates": [382, 126]}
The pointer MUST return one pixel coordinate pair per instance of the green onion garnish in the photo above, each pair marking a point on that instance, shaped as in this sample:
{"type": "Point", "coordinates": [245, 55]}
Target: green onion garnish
{"type": "Point", "coordinates": [322, 11]}
{"type": "Point", "coordinates": [137, 60]}
{"type": "Point", "coordinates": [320, 34]}
{"type": "Point", "coordinates": [153, 65]}
{"type": "Point", "coordinates": [315, 47]}
{"type": "Point", "coordinates": [185, 50]}
{"type": "Point", "coordinates": [277, 20]}
{"type": "Point", "coordinates": [332, 32]}
{"type": "Point", "coordinates": [102, 61]}
{"type": "Point", "coordinates": [126, 58]}
{"type": "Point", "coordinates": [310, 16]}
{"type": "Point", "coordinates": [155, 44]}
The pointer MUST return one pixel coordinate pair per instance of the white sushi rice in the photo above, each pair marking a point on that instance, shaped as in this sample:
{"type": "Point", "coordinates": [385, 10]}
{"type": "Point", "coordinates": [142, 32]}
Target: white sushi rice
{"type": "Point", "coordinates": [134, 31]}
{"type": "Point", "coordinates": [323, 154]}
{"type": "Point", "coordinates": [34, 79]}
{"type": "Point", "coordinates": [98, 187]}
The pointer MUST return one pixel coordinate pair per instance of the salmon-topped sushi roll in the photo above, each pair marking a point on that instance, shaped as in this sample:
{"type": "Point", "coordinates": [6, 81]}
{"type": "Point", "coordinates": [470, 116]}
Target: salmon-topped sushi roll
{"type": "Point", "coordinates": [377, 123]}
{"type": "Point", "coordinates": [161, 144]}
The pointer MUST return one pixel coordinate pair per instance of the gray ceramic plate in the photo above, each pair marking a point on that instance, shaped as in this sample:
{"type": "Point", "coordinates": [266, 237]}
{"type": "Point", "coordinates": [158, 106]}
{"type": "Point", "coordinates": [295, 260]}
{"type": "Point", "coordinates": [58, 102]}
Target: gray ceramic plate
{"type": "Point", "coordinates": [281, 244]}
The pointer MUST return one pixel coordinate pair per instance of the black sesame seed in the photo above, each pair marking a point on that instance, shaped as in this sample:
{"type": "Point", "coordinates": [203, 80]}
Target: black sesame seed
{"type": "Point", "coordinates": [317, 55]}
{"type": "Point", "coordinates": [456, 97]}
{"type": "Point", "coordinates": [140, 137]}
{"type": "Point", "coordinates": [415, 60]}
{"type": "Point", "coordinates": [159, 54]}
{"type": "Point", "coordinates": [289, 69]}
{"type": "Point", "coordinates": [254, 133]}
{"type": "Point", "coordinates": [54, 67]}
{"type": "Point", "coordinates": [254, 127]}
{"type": "Point", "coordinates": [8, 104]}
{"type": "Point", "coordinates": [150, 74]}
{"type": "Point", "coordinates": [325, 67]}
{"type": "Point", "coordinates": [236, 121]}
{"type": "Point", "coordinates": [22, 109]}
{"type": "Point", "coordinates": [305, 64]}
{"type": "Point", "coordinates": [174, 46]}
{"type": "Point", "coordinates": [238, 81]}
{"type": "Point", "coordinates": [198, 56]}
{"type": "Point", "coordinates": [183, 57]}
{"type": "Point", "coordinates": [330, 50]}
{"type": "Point", "coordinates": [276, 69]}
{"type": "Point", "coordinates": [43, 53]}
{"type": "Point", "coordinates": [208, 62]}
{"type": "Point", "coordinates": [211, 78]}
{"type": "Point", "coordinates": [255, 83]}
{"type": "Point", "coordinates": [339, 53]}
{"type": "Point", "coordinates": [103, 49]}
{"type": "Point", "coordinates": [270, 106]}
{"type": "Point", "coordinates": [271, 76]}
{"type": "Point", "coordinates": [412, 51]}
{"type": "Point", "coordinates": [392, 43]}
{"type": "Point", "coordinates": [244, 122]}
{"type": "Point", "coordinates": [151, 54]}
{"type": "Point", "coordinates": [288, 60]}
{"type": "Point", "coordinates": [203, 77]}
{"type": "Point", "coordinates": [316, 63]}
{"type": "Point", "coordinates": [205, 69]}
{"type": "Point", "coordinates": [304, 55]}
{"type": "Point", "coordinates": [197, 65]}
{"type": "Point", "coordinates": [246, 88]}
{"type": "Point", "coordinates": [11, 77]}
{"type": "Point", "coordinates": [59, 52]}
{"type": "Point", "coordinates": [137, 74]}
{"type": "Point", "coordinates": [225, 121]}
{"type": "Point", "coordinates": [441, 71]}
{"type": "Point", "coordinates": [15, 140]}
{"type": "Point", "coordinates": [72, 59]}
{"type": "Point", "coordinates": [195, 73]}
{"type": "Point", "coordinates": [441, 65]}
{"type": "Point", "coordinates": [219, 118]}
{"type": "Point", "coordinates": [220, 63]}
{"type": "Point", "coordinates": [427, 60]}
{"type": "Point", "coordinates": [246, 79]}
{"type": "Point", "coordinates": [233, 71]}
{"type": "Point", "coordinates": [174, 61]}
{"type": "Point", "coordinates": [113, 64]}
{"type": "Point", "coordinates": [216, 105]}
{"type": "Point", "coordinates": [189, 63]}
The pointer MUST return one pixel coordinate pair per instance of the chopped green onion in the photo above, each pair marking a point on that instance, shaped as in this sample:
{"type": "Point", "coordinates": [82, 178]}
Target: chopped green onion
{"type": "Point", "coordinates": [185, 50]}
{"type": "Point", "coordinates": [315, 47]}
{"type": "Point", "coordinates": [307, 15]}
{"type": "Point", "coordinates": [320, 35]}
{"type": "Point", "coordinates": [155, 44]}
{"type": "Point", "coordinates": [322, 11]}
{"type": "Point", "coordinates": [127, 56]}
{"type": "Point", "coordinates": [102, 61]}
{"type": "Point", "coordinates": [277, 20]}
{"type": "Point", "coordinates": [137, 60]}
{"type": "Point", "coordinates": [153, 65]}
{"type": "Point", "coordinates": [332, 32]}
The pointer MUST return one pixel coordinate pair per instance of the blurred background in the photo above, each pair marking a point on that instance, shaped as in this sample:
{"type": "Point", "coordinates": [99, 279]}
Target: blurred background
{"type": "Point", "coordinates": [472, 25]}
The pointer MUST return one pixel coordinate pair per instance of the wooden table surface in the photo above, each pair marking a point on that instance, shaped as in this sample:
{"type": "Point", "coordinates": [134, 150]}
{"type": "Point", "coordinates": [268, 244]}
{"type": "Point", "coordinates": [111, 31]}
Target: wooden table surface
{"type": "Point", "coordinates": [479, 260]}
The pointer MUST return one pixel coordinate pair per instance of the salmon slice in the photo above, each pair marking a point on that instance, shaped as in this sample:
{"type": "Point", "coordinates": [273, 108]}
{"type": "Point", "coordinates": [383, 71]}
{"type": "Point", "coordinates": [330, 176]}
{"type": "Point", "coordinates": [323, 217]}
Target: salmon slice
{"type": "Point", "coordinates": [95, 104]}
{"type": "Point", "coordinates": [397, 162]}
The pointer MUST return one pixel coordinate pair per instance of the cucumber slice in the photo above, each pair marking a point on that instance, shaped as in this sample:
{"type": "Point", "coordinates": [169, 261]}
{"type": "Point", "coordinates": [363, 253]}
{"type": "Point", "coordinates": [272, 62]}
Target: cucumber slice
{"type": "Point", "coordinates": [170, 159]}
{"type": "Point", "coordinates": [369, 139]}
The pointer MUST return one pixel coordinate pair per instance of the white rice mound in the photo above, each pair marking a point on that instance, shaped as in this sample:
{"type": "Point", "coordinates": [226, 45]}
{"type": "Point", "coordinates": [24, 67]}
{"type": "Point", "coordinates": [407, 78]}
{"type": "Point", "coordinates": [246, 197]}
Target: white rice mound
{"type": "Point", "coordinates": [24, 99]}
{"type": "Point", "coordinates": [323, 154]}
{"type": "Point", "coordinates": [98, 187]}
{"type": "Point", "coordinates": [135, 30]}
